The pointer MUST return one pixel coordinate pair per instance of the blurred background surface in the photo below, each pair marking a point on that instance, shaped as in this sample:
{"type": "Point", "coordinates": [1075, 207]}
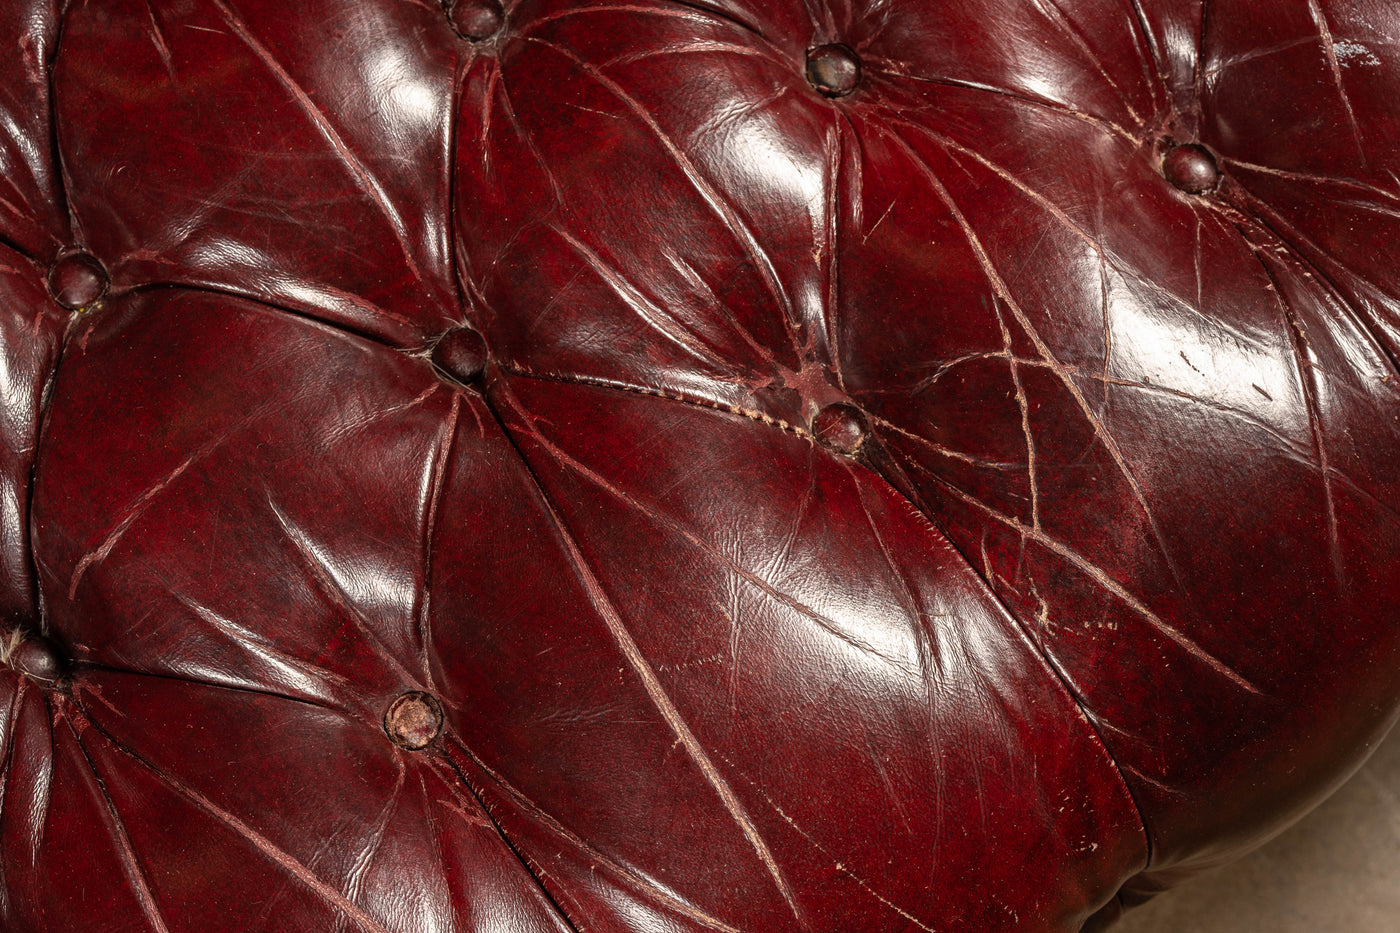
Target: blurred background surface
{"type": "Point", "coordinates": [1337, 871]}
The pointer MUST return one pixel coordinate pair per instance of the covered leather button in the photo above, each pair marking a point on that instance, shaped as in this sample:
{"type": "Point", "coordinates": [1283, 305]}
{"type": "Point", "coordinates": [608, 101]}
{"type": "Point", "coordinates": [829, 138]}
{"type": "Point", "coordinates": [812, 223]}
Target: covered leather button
{"type": "Point", "coordinates": [477, 19]}
{"type": "Point", "coordinates": [460, 354]}
{"type": "Point", "coordinates": [413, 720]}
{"type": "Point", "coordinates": [77, 280]}
{"type": "Point", "coordinates": [841, 428]}
{"type": "Point", "coordinates": [37, 659]}
{"type": "Point", "coordinates": [1191, 168]}
{"type": "Point", "coordinates": [833, 69]}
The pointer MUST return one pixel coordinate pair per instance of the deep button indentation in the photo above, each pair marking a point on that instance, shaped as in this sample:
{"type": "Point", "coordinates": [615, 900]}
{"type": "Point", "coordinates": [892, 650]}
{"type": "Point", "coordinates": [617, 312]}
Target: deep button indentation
{"type": "Point", "coordinates": [1191, 168]}
{"type": "Point", "coordinates": [477, 19]}
{"type": "Point", "coordinates": [38, 659]}
{"type": "Point", "coordinates": [77, 280]}
{"type": "Point", "coordinates": [840, 427]}
{"type": "Point", "coordinates": [461, 355]}
{"type": "Point", "coordinates": [833, 69]}
{"type": "Point", "coordinates": [413, 720]}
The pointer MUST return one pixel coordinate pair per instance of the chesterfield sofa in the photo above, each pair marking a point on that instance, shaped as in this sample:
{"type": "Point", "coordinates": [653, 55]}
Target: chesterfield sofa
{"type": "Point", "coordinates": [661, 466]}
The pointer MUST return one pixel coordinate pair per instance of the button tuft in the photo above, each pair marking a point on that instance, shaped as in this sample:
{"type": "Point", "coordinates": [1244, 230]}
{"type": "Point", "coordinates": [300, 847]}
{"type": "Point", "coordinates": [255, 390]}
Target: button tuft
{"type": "Point", "coordinates": [840, 427]}
{"type": "Point", "coordinates": [833, 69]}
{"type": "Point", "coordinates": [1191, 168]}
{"type": "Point", "coordinates": [37, 659]}
{"type": "Point", "coordinates": [461, 354]}
{"type": "Point", "coordinates": [477, 19]}
{"type": "Point", "coordinates": [77, 280]}
{"type": "Point", "coordinates": [413, 720]}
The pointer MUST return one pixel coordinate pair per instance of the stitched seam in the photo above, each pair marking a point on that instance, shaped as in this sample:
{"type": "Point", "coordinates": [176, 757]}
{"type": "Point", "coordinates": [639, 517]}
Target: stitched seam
{"type": "Point", "coordinates": [695, 400]}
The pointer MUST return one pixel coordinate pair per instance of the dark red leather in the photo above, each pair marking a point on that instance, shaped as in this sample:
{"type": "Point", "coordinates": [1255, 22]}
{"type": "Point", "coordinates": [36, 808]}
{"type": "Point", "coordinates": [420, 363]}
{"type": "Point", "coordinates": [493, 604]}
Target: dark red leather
{"type": "Point", "coordinates": [644, 465]}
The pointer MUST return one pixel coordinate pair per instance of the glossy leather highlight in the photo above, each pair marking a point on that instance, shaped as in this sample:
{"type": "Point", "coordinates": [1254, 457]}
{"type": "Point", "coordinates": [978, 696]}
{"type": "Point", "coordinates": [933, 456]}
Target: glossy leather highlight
{"type": "Point", "coordinates": [716, 465]}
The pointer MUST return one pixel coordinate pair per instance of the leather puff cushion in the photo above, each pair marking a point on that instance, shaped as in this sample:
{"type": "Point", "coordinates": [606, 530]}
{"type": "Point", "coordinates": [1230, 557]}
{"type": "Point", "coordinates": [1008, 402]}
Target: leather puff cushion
{"type": "Point", "coordinates": [1097, 591]}
{"type": "Point", "coordinates": [1122, 403]}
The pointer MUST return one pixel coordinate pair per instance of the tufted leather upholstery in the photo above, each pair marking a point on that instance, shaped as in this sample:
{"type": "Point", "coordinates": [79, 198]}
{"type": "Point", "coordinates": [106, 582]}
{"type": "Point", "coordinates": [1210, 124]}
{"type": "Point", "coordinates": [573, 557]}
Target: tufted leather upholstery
{"type": "Point", "coordinates": [678, 465]}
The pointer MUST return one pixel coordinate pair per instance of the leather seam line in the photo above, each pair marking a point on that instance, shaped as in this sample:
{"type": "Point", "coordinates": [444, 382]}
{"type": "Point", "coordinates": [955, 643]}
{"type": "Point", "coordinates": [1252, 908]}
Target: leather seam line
{"type": "Point", "coordinates": [752, 414]}
{"type": "Point", "coordinates": [1198, 67]}
{"type": "Point", "coordinates": [265, 304]}
{"type": "Point", "coordinates": [137, 880]}
{"type": "Point", "coordinates": [348, 711]}
{"type": "Point", "coordinates": [182, 791]}
{"type": "Point", "coordinates": [459, 80]}
{"type": "Point", "coordinates": [530, 871]}
{"type": "Point", "coordinates": [41, 427]}
{"type": "Point", "coordinates": [719, 15]}
{"type": "Point", "coordinates": [61, 185]}
{"type": "Point", "coordinates": [557, 521]}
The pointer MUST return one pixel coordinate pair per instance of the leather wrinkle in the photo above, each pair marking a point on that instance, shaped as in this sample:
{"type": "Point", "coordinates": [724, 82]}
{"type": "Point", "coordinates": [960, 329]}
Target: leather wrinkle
{"type": "Point", "coordinates": [1198, 98]}
{"type": "Point", "coordinates": [11, 719]}
{"type": "Point", "coordinates": [454, 122]}
{"type": "Point", "coordinates": [61, 189]}
{"type": "Point", "coordinates": [999, 286]}
{"type": "Point", "coordinates": [1113, 261]}
{"type": "Point", "coordinates": [1307, 378]}
{"type": "Point", "coordinates": [748, 413]}
{"type": "Point", "coordinates": [1041, 650]}
{"type": "Point", "coordinates": [370, 722]}
{"type": "Point", "coordinates": [16, 247]}
{"type": "Point", "coordinates": [1067, 28]}
{"type": "Point", "coordinates": [1329, 47]}
{"type": "Point", "coordinates": [862, 882]}
{"type": "Point", "coordinates": [604, 607]}
{"type": "Point", "coordinates": [46, 393]}
{"type": "Point", "coordinates": [434, 494]}
{"type": "Point", "coordinates": [339, 329]}
{"type": "Point", "coordinates": [136, 876]}
{"type": "Point", "coordinates": [76, 693]}
{"type": "Point", "coordinates": [334, 593]}
{"type": "Point", "coordinates": [696, 6]}
{"type": "Point", "coordinates": [361, 173]}
{"type": "Point", "coordinates": [229, 821]}
{"type": "Point", "coordinates": [891, 114]}
{"type": "Point", "coordinates": [1257, 211]}
{"type": "Point", "coordinates": [753, 414]}
{"type": "Point", "coordinates": [635, 881]}
{"type": "Point", "coordinates": [1307, 372]}
{"type": "Point", "coordinates": [580, 565]}
{"type": "Point", "coordinates": [137, 507]}
{"type": "Point", "coordinates": [1151, 58]}
{"type": "Point", "coordinates": [46, 397]}
{"type": "Point", "coordinates": [753, 579]}
{"type": "Point", "coordinates": [994, 278]}
{"type": "Point", "coordinates": [1048, 105]}
{"type": "Point", "coordinates": [708, 191]}
{"type": "Point", "coordinates": [531, 868]}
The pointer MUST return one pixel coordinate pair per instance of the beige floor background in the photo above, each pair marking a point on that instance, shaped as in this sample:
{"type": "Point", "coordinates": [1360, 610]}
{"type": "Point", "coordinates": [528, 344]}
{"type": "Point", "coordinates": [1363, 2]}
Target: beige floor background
{"type": "Point", "coordinates": [1338, 871]}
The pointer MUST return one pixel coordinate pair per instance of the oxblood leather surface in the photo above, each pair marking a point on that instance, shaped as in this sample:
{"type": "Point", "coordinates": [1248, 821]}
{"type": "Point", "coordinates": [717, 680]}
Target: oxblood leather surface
{"type": "Point", "coordinates": [1089, 583]}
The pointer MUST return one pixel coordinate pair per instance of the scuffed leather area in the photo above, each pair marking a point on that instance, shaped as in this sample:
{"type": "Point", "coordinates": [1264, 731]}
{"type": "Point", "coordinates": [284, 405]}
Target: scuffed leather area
{"type": "Point", "coordinates": [877, 466]}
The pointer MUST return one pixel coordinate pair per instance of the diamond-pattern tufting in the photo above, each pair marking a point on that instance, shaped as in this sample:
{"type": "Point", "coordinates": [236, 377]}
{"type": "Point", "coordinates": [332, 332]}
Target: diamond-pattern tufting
{"type": "Point", "coordinates": [686, 465]}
